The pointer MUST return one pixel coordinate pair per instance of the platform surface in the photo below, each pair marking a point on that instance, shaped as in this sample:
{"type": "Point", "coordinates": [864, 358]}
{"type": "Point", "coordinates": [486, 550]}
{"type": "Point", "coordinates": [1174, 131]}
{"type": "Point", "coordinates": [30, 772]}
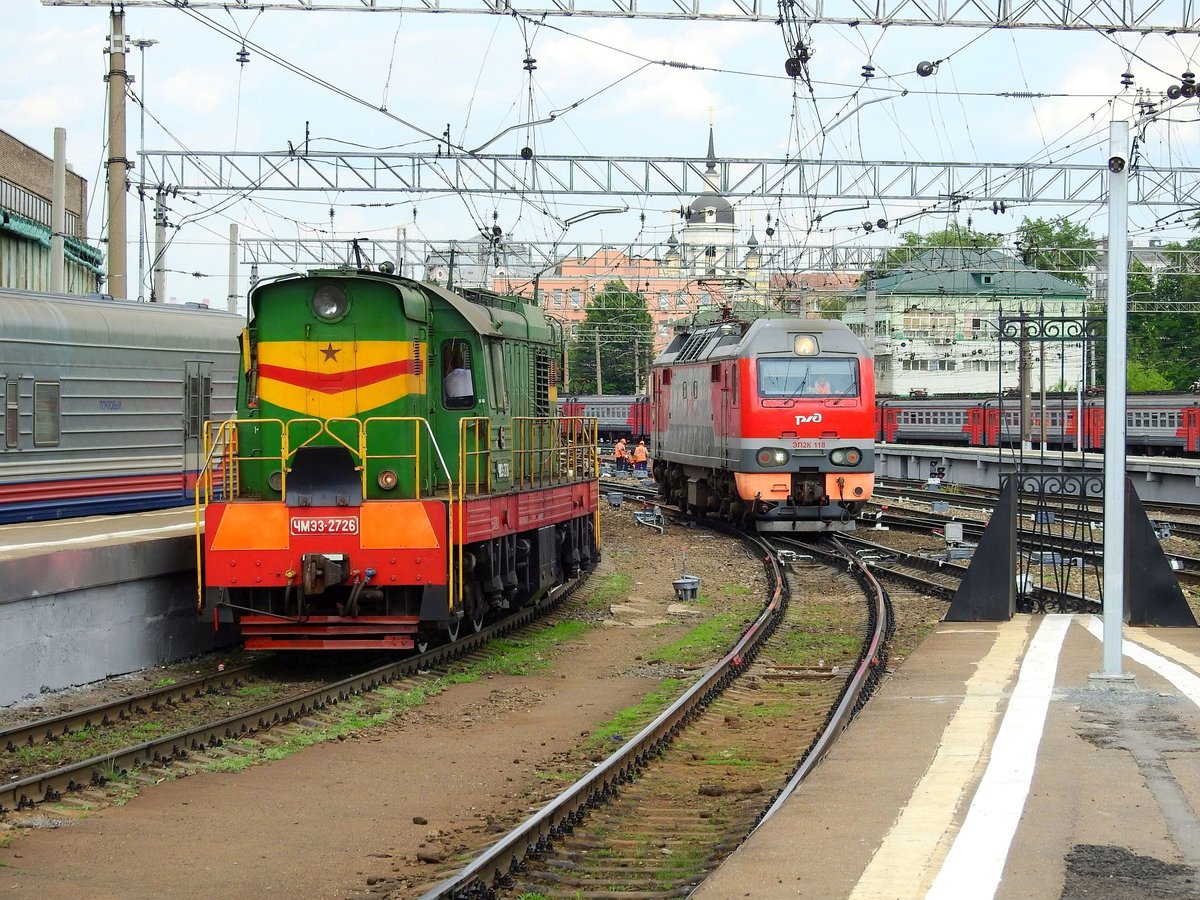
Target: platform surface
{"type": "Point", "coordinates": [990, 764]}
{"type": "Point", "coordinates": [44, 538]}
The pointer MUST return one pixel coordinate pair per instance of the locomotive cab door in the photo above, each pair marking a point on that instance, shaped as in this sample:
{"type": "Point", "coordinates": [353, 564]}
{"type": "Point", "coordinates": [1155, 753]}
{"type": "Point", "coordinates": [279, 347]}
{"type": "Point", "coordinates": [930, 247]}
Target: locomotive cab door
{"type": "Point", "coordinates": [197, 409]}
{"type": "Point", "coordinates": [724, 417]}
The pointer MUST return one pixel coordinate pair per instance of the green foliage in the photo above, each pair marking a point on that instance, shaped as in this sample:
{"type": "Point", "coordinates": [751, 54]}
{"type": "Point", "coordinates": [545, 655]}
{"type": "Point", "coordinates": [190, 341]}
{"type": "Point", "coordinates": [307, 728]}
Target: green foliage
{"type": "Point", "coordinates": [618, 323]}
{"type": "Point", "coordinates": [1141, 377]}
{"type": "Point", "coordinates": [1042, 244]}
{"type": "Point", "coordinates": [1164, 346]}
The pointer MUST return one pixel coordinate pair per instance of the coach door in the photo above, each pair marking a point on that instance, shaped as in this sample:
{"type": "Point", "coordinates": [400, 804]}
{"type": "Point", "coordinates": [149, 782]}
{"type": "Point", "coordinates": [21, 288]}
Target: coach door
{"type": "Point", "coordinates": [197, 409]}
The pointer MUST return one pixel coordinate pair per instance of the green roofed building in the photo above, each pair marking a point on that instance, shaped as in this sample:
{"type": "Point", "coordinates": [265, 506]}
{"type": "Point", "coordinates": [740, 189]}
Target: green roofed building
{"type": "Point", "coordinates": [935, 323]}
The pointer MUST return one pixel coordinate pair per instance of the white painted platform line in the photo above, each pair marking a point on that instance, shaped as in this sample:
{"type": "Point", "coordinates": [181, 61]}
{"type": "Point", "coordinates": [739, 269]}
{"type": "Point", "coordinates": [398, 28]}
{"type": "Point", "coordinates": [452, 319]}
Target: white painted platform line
{"type": "Point", "coordinates": [976, 860]}
{"type": "Point", "coordinates": [163, 530]}
{"type": "Point", "coordinates": [903, 864]}
{"type": "Point", "coordinates": [1187, 681]}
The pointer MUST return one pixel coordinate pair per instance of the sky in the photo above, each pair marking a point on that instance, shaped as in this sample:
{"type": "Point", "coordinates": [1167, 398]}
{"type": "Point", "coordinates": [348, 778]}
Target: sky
{"type": "Point", "coordinates": [391, 81]}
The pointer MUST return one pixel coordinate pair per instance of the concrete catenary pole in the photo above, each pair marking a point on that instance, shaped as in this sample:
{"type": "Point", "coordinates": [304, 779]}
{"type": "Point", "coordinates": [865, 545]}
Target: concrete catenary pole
{"type": "Point", "coordinates": [58, 213]}
{"type": "Point", "coordinates": [596, 338]}
{"type": "Point", "coordinates": [158, 290]}
{"type": "Point", "coordinates": [232, 298]}
{"type": "Point", "coordinates": [118, 164]}
{"type": "Point", "coordinates": [869, 317]}
{"type": "Point", "coordinates": [1114, 399]}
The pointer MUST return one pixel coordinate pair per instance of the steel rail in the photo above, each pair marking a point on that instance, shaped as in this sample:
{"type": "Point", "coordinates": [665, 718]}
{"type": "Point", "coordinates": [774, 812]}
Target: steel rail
{"type": "Point", "coordinates": [28, 792]}
{"type": "Point", "coordinates": [561, 814]}
{"type": "Point", "coordinates": [871, 666]}
{"type": "Point", "coordinates": [52, 728]}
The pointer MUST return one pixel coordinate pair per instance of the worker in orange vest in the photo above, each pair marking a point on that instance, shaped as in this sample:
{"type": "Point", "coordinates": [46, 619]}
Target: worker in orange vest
{"type": "Point", "coordinates": [620, 456]}
{"type": "Point", "coordinates": [640, 458]}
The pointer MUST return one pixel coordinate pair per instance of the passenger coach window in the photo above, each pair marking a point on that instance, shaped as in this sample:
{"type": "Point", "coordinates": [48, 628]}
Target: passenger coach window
{"type": "Point", "coordinates": [12, 413]}
{"type": "Point", "coordinates": [789, 378]}
{"type": "Point", "coordinates": [46, 414]}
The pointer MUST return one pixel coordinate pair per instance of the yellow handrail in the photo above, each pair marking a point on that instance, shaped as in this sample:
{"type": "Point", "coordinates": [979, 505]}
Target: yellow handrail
{"type": "Point", "coordinates": [546, 450]}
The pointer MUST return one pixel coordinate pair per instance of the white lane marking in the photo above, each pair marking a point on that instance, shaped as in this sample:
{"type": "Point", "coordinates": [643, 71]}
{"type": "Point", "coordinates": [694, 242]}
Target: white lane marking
{"type": "Point", "coordinates": [976, 859]}
{"type": "Point", "coordinates": [95, 538]}
{"type": "Point", "coordinates": [1187, 681]}
{"type": "Point", "coordinates": [902, 866]}
{"type": "Point", "coordinates": [172, 511]}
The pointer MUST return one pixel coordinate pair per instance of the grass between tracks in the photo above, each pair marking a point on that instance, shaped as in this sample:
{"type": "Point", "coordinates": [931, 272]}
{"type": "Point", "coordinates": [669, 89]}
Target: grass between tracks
{"type": "Point", "coordinates": [508, 656]}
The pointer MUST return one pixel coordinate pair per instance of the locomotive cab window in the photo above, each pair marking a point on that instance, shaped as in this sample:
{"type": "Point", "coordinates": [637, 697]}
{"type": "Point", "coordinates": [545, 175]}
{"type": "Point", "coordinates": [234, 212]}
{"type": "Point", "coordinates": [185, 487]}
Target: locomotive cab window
{"type": "Point", "coordinates": [458, 381]}
{"type": "Point", "coordinates": [780, 379]}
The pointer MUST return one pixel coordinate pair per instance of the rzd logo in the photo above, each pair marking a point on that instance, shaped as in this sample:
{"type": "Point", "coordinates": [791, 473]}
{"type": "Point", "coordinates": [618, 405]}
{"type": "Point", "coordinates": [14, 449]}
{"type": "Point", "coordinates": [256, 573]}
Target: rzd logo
{"type": "Point", "coordinates": [815, 417]}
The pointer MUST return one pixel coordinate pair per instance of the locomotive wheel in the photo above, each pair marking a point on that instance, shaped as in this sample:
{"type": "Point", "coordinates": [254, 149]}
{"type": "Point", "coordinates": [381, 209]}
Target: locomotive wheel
{"type": "Point", "coordinates": [477, 621]}
{"type": "Point", "coordinates": [421, 643]}
{"type": "Point", "coordinates": [452, 630]}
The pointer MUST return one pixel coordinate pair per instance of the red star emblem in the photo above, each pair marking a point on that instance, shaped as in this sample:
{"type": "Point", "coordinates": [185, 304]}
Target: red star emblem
{"type": "Point", "coordinates": [330, 352]}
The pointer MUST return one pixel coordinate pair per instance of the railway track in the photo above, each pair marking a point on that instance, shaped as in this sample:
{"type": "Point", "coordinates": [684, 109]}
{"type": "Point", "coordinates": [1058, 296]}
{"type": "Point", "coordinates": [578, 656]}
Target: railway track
{"type": "Point", "coordinates": [976, 498]}
{"type": "Point", "coordinates": [54, 729]}
{"type": "Point", "coordinates": [656, 815]}
{"type": "Point", "coordinates": [210, 738]}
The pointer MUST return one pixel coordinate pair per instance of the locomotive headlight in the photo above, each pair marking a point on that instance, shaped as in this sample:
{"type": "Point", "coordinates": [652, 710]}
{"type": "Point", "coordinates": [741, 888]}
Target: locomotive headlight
{"type": "Point", "coordinates": [846, 456]}
{"type": "Point", "coordinates": [772, 456]}
{"type": "Point", "coordinates": [387, 479]}
{"type": "Point", "coordinates": [329, 302]}
{"type": "Point", "coordinates": [806, 345]}
{"type": "Point", "coordinates": [275, 480]}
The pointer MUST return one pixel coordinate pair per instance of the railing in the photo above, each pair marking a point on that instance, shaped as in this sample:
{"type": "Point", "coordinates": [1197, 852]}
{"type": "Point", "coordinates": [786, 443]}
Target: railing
{"type": "Point", "coordinates": [547, 450]}
{"type": "Point", "coordinates": [554, 450]}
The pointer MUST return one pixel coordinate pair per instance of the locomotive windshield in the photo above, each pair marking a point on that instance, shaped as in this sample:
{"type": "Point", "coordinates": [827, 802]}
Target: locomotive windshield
{"type": "Point", "coordinates": [780, 379]}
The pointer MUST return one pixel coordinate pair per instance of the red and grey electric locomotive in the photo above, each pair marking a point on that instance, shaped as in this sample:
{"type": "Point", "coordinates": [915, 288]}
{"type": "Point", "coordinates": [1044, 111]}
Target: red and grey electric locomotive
{"type": "Point", "coordinates": [769, 421]}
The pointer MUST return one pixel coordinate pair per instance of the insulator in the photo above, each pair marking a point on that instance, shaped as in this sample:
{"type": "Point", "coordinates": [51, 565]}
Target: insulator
{"type": "Point", "coordinates": [1127, 79]}
{"type": "Point", "coordinates": [882, 223]}
{"type": "Point", "coordinates": [1173, 92]}
{"type": "Point", "coordinates": [530, 64]}
{"type": "Point", "coordinates": [770, 231]}
{"type": "Point", "coordinates": [526, 153]}
{"type": "Point", "coordinates": [868, 71]}
{"type": "Point", "coordinates": [868, 226]}
{"type": "Point", "coordinates": [243, 56]}
{"type": "Point", "coordinates": [793, 67]}
{"type": "Point", "coordinates": [1188, 91]}
{"type": "Point", "coordinates": [1189, 78]}
{"type": "Point", "coordinates": [926, 68]}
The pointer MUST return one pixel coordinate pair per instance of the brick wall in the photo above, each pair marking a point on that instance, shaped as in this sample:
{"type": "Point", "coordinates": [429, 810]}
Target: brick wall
{"type": "Point", "coordinates": [32, 171]}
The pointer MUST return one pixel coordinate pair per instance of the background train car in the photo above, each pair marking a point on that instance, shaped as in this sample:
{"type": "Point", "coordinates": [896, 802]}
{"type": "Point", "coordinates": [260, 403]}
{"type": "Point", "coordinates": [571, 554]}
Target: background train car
{"type": "Point", "coordinates": [104, 402]}
{"type": "Point", "coordinates": [1154, 423]}
{"type": "Point", "coordinates": [396, 468]}
{"type": "Point", "coordinates": [770, 421]}
{"type": "Point", "coordinates": [616, 415]}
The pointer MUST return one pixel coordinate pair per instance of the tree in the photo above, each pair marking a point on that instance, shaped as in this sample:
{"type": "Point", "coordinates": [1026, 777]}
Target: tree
{"type": "Point", "coordinates": [1042, 244]}
{"type": "Point", "coordinates": [1166, 342]}
{"type": "Point", "coordinates": [1141, 377]}
{"type": "Point", "coordinates": [618, 323]}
